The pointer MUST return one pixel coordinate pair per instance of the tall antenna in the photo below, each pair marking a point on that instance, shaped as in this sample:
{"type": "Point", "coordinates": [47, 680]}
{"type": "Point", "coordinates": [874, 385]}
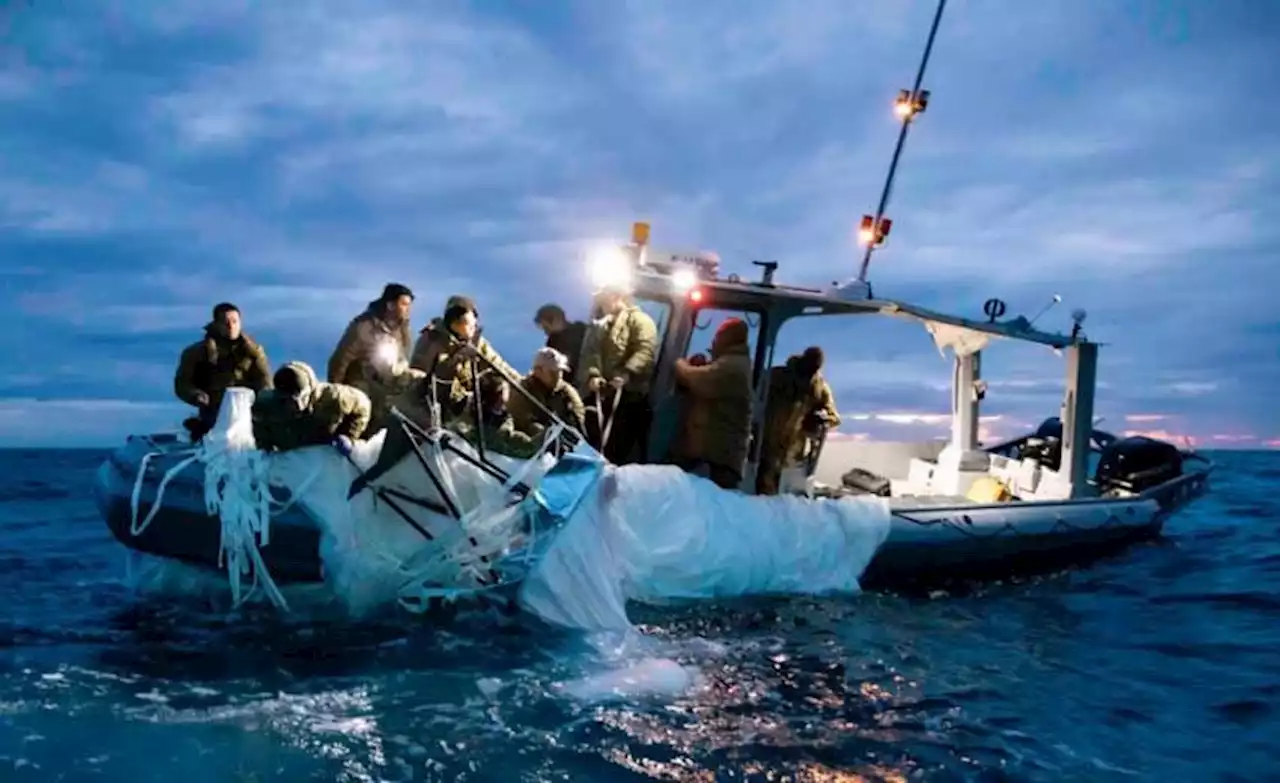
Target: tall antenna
{"type": "Point", "coordinates": [909, 103]}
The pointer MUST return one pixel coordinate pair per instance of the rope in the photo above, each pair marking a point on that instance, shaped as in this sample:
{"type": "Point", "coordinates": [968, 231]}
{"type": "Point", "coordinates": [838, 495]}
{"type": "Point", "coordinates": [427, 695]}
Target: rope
{"type": "Point", "coordinates": [248, 528]}
{"type": "Point", "coordinates": [469, 546]}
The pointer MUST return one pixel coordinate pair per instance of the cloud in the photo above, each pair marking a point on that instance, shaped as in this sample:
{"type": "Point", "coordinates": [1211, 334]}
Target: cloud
{"type": "Point", "coordinates": [292, 160]}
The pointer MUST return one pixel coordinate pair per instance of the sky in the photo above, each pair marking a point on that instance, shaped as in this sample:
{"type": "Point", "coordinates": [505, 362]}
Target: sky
{"type": "Point", "coordinates": [159, 157]}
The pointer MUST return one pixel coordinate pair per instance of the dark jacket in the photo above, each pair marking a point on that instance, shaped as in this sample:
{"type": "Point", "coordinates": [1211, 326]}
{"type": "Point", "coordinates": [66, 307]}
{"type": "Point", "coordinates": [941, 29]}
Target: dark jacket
{"type": "Point", "coordinates": [716, 419]}
{"type": "Point", "coordinates": [215, 364]}
{"type": "Point", "coordinates": [569, 341]}
{"type": "Point", "coordinates": [793, 400]}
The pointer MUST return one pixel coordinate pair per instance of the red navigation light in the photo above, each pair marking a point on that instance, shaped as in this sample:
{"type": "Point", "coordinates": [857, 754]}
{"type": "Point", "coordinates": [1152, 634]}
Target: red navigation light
{"type": "Point", "coordinates": [695, 295]}
{"type": "Point", "coordinates": [866, 231]}
{"type": "Point", "coordinates": [872, 233]}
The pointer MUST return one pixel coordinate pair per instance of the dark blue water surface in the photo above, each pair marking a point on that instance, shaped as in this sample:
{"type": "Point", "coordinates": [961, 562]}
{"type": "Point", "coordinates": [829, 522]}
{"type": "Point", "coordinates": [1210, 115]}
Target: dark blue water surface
{"type": "Point", "coordinates": [1160, 664]}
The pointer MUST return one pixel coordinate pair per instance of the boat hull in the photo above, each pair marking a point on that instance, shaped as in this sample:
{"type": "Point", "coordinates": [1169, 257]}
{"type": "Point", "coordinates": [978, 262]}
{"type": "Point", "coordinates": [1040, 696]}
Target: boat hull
{"type": "Point", "coordinates": [930, 541]}
{"type": "Point", "coordinates": [183, 530]}
{"type": "Point", "coordinates": [938, 542]}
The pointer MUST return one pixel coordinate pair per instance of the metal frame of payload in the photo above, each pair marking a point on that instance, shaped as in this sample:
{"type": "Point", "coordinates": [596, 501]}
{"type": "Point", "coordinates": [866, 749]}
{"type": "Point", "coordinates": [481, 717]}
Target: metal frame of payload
{"type": "Point", "coordinates": [1048, 508]}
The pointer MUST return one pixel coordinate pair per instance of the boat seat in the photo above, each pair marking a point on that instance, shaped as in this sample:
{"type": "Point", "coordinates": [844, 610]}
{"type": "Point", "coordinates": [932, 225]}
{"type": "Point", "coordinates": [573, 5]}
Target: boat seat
{"type": "Point", "coordinates": [1024, 477]}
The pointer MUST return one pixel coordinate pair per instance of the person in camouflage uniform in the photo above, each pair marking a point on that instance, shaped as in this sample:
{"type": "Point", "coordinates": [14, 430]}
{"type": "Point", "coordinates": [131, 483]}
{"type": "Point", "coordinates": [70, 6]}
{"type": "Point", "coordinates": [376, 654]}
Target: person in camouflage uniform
{"type": "Point", "coordinates": [300, 411]}
{"type": "Point", "coordinates": [546, 384]}
{"type": "Point", "coordinates": [440, 375]}
{"type": "Point", "coordinates": [496, 425]}
{"type": "Point", "coordinates": [446, 350]}
{"type": "Point", "coordinates": [621, 357]}
{"type": "Point", "coordinates": [226, 357]}
{"type": "Point", "coordinates": [373, 353]}
{"type": "Point", "coordinates": [799, 398]}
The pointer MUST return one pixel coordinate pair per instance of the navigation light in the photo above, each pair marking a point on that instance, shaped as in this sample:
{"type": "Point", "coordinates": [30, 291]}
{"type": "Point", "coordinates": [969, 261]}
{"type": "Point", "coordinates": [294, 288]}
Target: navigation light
{"type": "Point", "coordinates": [871, 233]}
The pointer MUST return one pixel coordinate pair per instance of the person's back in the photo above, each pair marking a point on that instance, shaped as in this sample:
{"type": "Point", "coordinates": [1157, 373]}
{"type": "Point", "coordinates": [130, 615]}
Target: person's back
{"type": "Point", "coordinates": [300, 411]}
{"type": "Point", "coordinates": [716, 425]}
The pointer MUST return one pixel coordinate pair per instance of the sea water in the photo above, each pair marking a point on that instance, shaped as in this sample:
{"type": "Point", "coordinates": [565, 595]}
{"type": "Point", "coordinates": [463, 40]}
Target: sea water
{"type": "Point", "coordinates": [1160, 663]}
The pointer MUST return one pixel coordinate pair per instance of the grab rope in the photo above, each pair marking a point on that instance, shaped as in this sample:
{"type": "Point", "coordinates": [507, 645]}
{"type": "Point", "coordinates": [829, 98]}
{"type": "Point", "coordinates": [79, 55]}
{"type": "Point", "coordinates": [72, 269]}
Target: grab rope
{"type": "Point", "coordinates": [244, 517]}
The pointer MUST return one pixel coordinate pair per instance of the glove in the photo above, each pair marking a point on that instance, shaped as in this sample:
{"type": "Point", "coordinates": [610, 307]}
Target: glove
{"type": "Point", "coordinates": [343, 444]}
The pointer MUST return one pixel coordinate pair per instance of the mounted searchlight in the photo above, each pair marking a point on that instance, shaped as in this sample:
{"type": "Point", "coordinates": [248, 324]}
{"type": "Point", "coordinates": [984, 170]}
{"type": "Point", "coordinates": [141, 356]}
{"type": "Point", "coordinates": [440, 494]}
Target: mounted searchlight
{"type": "Point", "coordinates": [610, 265]}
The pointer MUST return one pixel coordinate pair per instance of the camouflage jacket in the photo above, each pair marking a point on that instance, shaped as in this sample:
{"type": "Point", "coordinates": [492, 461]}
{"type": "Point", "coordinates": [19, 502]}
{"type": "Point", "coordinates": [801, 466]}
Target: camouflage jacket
{"type": "Point", "coordinates": [625, 345]}
{"type": "Point", "coordinates": [563, 401]}
{"type": "Point", "coordinates": [214, 365]}
{"type": "Point", "coordinates": [499, 436]}
{"type": "Point", "coordinates": [327, 410]}
{"type": "Point", "coordinates": [436, 353]}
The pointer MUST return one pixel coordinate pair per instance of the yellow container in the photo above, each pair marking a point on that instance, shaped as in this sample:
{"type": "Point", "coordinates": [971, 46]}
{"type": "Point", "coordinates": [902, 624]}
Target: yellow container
{"type": "Point", "coordinates": [989, 489]}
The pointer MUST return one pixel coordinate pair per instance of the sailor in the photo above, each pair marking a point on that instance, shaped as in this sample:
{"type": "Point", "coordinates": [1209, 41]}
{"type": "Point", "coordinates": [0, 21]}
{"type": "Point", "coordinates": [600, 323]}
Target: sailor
{"type": "Point", "coordinates": [799, 397]}
{"type": "Point", "coordinates": [373, 352]}
{"type": "Point", "coordinates": [563, 336]}
{"type": "Point", "coordinates": [495, 422]}
{"type": "Point", "coordinates": [226, 357]}
{"type": "Point", "coordinates": [439, 385]}
{"type": "Point", "coordinates": [716, 415]}
{"type": "Point", "coordinates": [447, 349]}
{"type": "Point", "coordinates": [618, 365]}
{"type": "Point", "coordinates": [546, 384]}
{"type": "Point", "coordinates": [300, 411]}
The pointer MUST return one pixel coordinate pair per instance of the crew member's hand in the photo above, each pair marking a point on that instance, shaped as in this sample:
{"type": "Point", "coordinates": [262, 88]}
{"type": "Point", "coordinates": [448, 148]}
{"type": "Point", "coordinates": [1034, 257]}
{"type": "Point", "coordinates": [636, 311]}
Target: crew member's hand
{"type": "Point", "coordinates": [618, 382]}
{"type": "Point", "coordinates": [343, 444]}
{"type": "Point", "coordinates": [595, 384]}
{"type": "Point", "coordinates": [202, 399]}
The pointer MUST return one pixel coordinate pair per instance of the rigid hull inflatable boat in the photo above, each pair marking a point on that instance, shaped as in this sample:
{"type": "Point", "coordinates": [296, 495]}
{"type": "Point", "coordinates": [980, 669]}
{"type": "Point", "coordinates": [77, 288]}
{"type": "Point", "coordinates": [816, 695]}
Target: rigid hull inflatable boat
{"type": "Point", "coordinates": [957, 509]}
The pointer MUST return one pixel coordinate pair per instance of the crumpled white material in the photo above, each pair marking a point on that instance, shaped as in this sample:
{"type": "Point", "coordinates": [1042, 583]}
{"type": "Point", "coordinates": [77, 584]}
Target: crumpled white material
{"type": "Point", "coordinates": [652, 533]}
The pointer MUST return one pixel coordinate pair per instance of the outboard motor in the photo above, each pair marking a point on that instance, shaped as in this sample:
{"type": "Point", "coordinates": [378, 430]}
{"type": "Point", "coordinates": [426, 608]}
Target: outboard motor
{"type": "Point", "coordinates": [1045, 446]}
{"type": "Point", "coordinates": [1136, 464]}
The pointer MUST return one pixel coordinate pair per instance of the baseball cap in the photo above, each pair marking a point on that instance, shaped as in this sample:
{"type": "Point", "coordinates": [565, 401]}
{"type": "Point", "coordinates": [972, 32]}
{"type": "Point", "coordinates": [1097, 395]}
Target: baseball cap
{"type": "Point", "coordinates": [551, 359]}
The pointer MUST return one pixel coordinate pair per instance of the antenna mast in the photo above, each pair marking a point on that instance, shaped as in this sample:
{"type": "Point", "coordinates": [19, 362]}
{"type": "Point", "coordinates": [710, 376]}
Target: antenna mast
{"type": "Point", "coordinates": [875, 228]}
